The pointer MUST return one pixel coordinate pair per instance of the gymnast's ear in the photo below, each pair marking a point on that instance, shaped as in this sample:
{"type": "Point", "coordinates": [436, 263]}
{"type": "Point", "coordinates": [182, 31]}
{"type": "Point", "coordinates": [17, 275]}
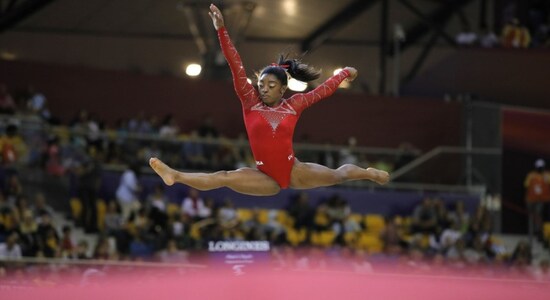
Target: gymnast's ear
{"type": "Point", "coordinates": [283, 89]}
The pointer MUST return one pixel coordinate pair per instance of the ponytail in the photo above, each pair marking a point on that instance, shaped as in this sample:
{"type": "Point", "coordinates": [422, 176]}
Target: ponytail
{"type": "Point", "coordinates": [294, 67]}
{"type": "Point", "coordinates": [298, 70]}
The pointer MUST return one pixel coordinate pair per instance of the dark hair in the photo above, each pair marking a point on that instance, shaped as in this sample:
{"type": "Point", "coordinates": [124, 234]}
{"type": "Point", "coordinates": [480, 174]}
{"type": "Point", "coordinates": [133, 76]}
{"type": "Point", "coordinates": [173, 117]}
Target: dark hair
{"type": "Point", "coordinates": [295, 68]}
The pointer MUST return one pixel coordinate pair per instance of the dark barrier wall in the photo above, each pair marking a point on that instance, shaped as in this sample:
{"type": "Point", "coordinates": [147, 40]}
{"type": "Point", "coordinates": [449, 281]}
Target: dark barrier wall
{"type": "Point", "coordinates": [363, 201]}
{"type": "Point", "coordinates": [375, 121]}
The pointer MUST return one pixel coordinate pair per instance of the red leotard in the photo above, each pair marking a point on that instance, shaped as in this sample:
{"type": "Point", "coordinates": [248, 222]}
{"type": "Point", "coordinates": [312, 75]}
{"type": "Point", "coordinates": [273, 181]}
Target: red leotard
{"type": "Point", "coordinates": [270, 129]}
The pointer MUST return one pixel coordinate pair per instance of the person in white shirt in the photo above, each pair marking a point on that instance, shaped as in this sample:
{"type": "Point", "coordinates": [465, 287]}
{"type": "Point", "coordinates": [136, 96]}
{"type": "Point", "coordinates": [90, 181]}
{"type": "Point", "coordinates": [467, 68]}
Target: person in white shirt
{"type": "Point", "coordinates": [10, 249]}
{"type": "Point", "coordinates": [127, 193]}
{"type": "Point", "coordinates": [193, 206]}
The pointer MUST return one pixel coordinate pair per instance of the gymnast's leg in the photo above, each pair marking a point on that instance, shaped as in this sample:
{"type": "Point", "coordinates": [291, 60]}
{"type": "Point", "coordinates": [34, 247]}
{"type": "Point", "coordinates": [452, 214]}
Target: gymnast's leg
{"type": "Point", "coordinates": [311, 175]}
{"type": "Point", "coordinates": [245, 180]}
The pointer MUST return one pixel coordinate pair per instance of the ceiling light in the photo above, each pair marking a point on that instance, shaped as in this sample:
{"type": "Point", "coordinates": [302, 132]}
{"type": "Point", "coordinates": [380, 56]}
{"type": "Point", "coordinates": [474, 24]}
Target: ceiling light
{"type": "Point", "coordinates": [193, 70]}
{"type": "Point", "coordinates": [296, 85]}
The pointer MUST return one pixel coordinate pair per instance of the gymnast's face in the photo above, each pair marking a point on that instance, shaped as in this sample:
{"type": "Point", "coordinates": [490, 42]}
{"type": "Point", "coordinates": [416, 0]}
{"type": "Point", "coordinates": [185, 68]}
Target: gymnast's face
{"type": "Point", "coordinates": [271, 89]}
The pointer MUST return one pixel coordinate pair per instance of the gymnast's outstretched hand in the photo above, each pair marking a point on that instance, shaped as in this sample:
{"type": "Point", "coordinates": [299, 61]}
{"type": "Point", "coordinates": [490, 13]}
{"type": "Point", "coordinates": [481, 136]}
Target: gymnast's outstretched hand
{"type": "Point", "coordinates": [352, 73]}
{"type": "Point", "coordinates": [216, 16]}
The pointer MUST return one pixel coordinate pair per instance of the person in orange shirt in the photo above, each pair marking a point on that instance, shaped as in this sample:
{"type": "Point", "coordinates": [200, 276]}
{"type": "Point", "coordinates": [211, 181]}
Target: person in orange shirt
{"type": "Point", "coordinates": [537, 194]}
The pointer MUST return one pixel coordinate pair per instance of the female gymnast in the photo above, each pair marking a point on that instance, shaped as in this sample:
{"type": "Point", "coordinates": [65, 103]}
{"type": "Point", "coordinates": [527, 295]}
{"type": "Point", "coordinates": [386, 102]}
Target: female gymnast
{"type": "Point", "coordinates": [270, 121]}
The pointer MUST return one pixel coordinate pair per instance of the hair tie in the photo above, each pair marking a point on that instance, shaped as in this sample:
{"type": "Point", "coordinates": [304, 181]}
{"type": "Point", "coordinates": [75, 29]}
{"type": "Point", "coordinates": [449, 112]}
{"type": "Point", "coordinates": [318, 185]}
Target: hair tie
{"type": "Point", "coordinates": [280, 66]}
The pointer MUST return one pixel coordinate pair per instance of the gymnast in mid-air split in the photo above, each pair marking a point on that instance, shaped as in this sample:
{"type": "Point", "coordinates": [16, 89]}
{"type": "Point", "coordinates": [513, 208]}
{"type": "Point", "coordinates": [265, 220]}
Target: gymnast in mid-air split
{"type": "Point", "coordinates": [270, 120]}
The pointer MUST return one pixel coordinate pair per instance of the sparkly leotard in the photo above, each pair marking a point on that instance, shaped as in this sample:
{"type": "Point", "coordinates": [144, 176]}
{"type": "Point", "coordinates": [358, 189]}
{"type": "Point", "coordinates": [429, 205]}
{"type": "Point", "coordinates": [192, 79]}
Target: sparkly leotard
{"type": "Point", "coordinates": [271, 129]}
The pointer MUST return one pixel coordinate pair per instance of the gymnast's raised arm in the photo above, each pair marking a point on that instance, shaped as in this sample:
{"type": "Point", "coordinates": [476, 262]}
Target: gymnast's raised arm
{"type": "Point", "coordinates": [246, 92]}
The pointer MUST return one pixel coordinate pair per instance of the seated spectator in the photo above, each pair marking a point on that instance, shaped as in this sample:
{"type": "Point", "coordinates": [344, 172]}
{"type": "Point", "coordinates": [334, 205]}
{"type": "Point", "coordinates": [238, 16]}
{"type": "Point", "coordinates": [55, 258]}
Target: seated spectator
{"type": "Point", "coordinates": [49, 241]}
{"type": "Point", "coordinates": [424, 219]}
{"type": "Point", "coordinates": [81, 250]}
{"type": "Point", "coordinates": [392, 236]}
{"type": "Point", "coordinates": [7, 105]}
{"type": "Point", "coordinates": [351, 225]}
{"type": "Point", "coordinates": [22, 206]}
{"type": "Point", "coordinates": [466, 37]}
{"type": "Point", "coordinates": [301, 211]}
{"type": "Point", "coordinates": [242, 154]}
{"type": "Point", "coordinates": [13, 189]}
{"type": "Point", "coordinates": [441, 214]}
{"type": "Point", "coordinates": [522, 255]}
{"type": "Point", "coordinates": [113, 221]}
{"type": "Point", "coordinates": [321, 220]}
{"type": "Point", "coordinates": [226, 156]}
{"type": "Point", "coordinates": [193, 152]}
{"type": "Point", "coordinates": [128, 190]}
{"type": "Point", "coordinates": [488, 38]}
{"type": "Point", "coordinates": [193, 206]}
{"type": "Point", "coordinates": [11, 249]}
{"type": "Point", "coordinates": [66, 244]}
{"type": "Point", "coordinates": [207, 128]}
{"type": "Point", "coordinates": [459, 217]}
{"type": "Point", "coordinates": [37, 104]}
{"type": "Point", "coordinates": [275, 231]}
{"type": "Point", "coordinates": [450, 236]}
{"type": "Point", "coordinates": [172, 254]}
{"type": "Point", "coordinates": [41, 206]}
{"type": "Point", "coordinates": [338, 211]}
{"type": "Point", "coordinates": [347, 154]}
{"type": "Point", "coordinates": [140, 249]}
{"type": "Point", "coordinates": [4, 204]}
{"type": "Point", "coordinates": [253, 229]}
{"type": "Point", "coordinates": [515, 35]}
{"type": "Point", "coordinates": [28, 231]}
{"type": "Point", "coordinates": [169, 128]}
{"type": "Point", "coordinates": [179, 226]}
{"type": "Point", "coordinates": [227, 215]}
{"type": "Point", "coordinates": [456, 253]}
{"type": "Point", "coordinates": [53, 157]}
{"type": "Point", "coordinates": [13, 148]}
{"type": "Point", "coordinates": [157, 199]}
{"type": "Point", "coordinates": [543, 271]}
{"type": "Point", "coordinates": [102, 251]}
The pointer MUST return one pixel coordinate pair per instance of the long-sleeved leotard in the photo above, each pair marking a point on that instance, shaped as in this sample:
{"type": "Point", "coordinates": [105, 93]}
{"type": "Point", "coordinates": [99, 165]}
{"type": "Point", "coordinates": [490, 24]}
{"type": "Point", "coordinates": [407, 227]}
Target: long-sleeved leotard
{"type": "Point", "coordinates": [271, 129]}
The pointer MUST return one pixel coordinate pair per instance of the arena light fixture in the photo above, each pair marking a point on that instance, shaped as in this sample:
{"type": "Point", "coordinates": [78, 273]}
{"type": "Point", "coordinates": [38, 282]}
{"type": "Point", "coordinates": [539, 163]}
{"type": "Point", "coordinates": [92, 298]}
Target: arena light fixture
{"type": "Point", "coordinates": [193, 70]}
{"type": "Point", "coordinates": [297, 85]}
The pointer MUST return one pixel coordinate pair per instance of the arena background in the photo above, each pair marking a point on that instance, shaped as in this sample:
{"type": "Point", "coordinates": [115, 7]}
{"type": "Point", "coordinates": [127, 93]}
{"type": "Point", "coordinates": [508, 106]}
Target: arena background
{"type": "Point", "coordinates": [468, 119]}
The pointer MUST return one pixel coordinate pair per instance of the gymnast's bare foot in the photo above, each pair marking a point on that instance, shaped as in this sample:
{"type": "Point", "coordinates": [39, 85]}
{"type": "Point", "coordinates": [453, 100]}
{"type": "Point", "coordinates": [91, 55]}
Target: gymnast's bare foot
{"type": "Point", "coordinates": [165, 172]}
{"type": "Point", "coordinates": [379, 176]}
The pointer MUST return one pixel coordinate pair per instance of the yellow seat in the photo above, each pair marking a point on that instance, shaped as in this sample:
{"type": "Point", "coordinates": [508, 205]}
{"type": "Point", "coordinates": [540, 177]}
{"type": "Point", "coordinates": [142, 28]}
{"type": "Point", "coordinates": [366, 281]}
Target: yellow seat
{"type": "Point", "coordinates": [356, 217]}
{"type": "Point", "coordinates": [375, 223]}
{"type": "Point", "coordinates": [76, 208]}
{"type": "Point", "coordinates": [546, 230]}
{"type": "Point", "coordinates": [327, 238]}
{"type": "Point", "coordinates": [425, 241]}
{"type": "Point", "coordinates": [173, 209]}
{"type": "Point", "coordinates": [244, 214]}
{"type": "Point", "coordinates": [195, 232]}
{"type": "Point", "coordinates": [370, 243]}
{"type": "Point", "coordinates": [314, 238]}
{"type": "Point", "coordinates": [284, 219]}
{"type": "Point", "coordinates": [101, 212]}
{"type": "Point", "coordinates": [351, 238]}
{"type": "Point", "coordinates": [321, 219]}
{"type": "Point", "coordinates": [263, 217]}
{"type": "Point", "coordinates": [322, 238]}
{"type": "Point", "coordinates": [295, 237]}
